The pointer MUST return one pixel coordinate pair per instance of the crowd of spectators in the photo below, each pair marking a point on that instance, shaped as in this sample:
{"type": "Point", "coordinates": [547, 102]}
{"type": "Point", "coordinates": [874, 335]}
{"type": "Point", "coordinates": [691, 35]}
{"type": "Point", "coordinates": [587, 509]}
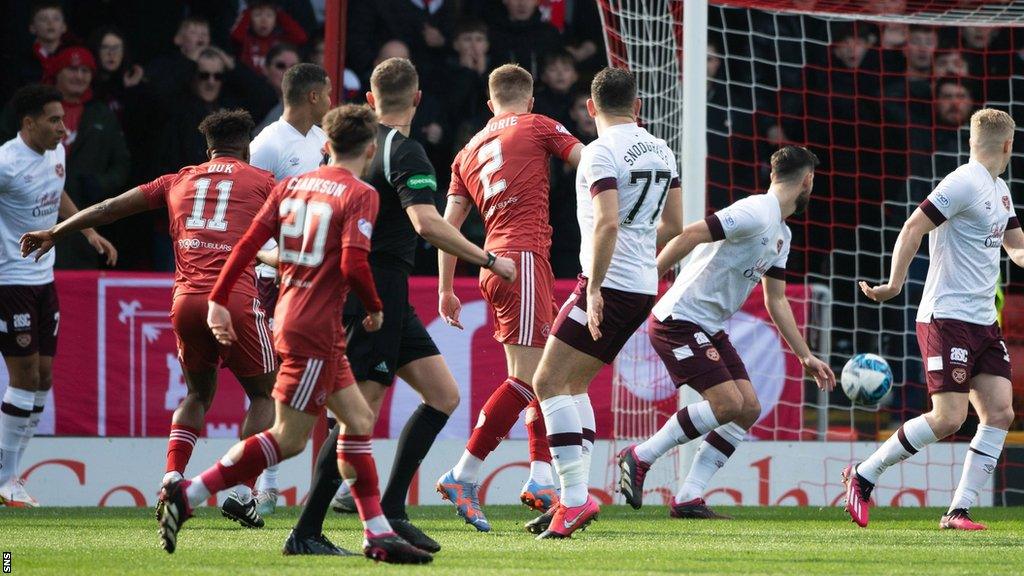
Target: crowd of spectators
{"type": "Point", "coordinates": [883, 105]}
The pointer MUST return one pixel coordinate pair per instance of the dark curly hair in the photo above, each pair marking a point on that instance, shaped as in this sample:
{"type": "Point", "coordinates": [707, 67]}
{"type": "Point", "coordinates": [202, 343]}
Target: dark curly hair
{"type": "Point", "coordinates": [227, 129]}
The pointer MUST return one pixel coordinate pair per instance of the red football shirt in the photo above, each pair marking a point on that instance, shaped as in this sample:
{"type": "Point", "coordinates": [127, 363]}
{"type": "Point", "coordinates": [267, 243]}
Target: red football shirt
{"type": "Point", "coordinates": [504, 169]}
{"type": "Point", "coordinates": [209, 206]}
{"type": "Point", "coordinates": [314, 217]}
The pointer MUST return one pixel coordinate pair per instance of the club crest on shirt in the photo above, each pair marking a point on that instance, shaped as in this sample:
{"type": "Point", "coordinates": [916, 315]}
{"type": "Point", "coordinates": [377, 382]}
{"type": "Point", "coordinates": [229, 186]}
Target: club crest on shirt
{"type": "Point", "coordinates": [23, 340]}
{"type": "Point", "coordinates": [1006, 203]}
{"type": "Point", "coordinates": [58, 169]}
{"type": "Point", "coordinates": [713, 355]}
{"type": "Point", "coordinates": [959, 375]}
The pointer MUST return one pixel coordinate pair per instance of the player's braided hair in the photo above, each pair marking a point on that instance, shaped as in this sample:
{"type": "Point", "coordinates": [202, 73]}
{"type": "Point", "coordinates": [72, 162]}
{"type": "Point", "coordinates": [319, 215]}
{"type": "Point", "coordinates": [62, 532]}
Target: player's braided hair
{"type": "Point", "coordinates": [350, 128]}
{"type": "Point", "coordinates": [614, 91]}
{"type": "Point", "coordinates": [227, 129]}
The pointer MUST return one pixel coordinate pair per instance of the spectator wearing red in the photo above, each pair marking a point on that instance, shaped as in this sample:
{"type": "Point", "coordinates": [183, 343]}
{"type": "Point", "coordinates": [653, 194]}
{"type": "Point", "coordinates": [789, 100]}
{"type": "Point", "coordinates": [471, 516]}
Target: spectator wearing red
{"type": "Point", "coordinates": [260, 27]}
{"type": "Point", "coordinates": [97, 153]}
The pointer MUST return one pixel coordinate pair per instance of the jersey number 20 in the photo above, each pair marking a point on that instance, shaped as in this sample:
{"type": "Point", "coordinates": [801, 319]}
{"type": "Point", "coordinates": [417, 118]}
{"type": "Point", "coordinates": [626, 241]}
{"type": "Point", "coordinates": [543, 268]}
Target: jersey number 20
{"type": "Point", "coordinates": [310, 221]}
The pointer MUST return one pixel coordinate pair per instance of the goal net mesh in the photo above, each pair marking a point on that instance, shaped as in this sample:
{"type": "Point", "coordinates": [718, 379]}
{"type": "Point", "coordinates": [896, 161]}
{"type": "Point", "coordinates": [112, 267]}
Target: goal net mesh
{"type": "Point", "coordinates": [882, 93]}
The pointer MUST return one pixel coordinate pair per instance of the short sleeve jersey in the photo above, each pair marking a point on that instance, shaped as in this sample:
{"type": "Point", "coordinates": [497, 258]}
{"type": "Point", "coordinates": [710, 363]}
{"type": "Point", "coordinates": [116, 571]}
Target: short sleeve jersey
{"type": "Point", "coordinates": [643, 169]}
{"type": "Point", "coordinates": [284, 152]}
{"type": "Point", "coordinates": [971, 210]}
{"type": "Point", "coordinates": [504, 170]}
{"type": "Point", "coordinates": [750, 240]}
{"type": "Point", "coordinates": [31, 185]}
{"type": "Point", "coordinates": [315, 217]}
{"type": "Point", "coordinates": [210, 206]}
{"type": "Point", "coordinates": [403, 176]}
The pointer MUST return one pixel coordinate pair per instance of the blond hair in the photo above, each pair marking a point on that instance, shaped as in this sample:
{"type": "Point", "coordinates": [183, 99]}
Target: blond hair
{"type": "Point", "coordinates": [510, 84]}
{"type": "Point", "coordinates": [394, 83]}
{"type": "Point", "coordinates": [990, 128]}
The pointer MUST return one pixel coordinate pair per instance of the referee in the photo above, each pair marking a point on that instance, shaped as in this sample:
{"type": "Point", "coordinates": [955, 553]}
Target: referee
{"type": "Point", "coordinates": [405, 180]}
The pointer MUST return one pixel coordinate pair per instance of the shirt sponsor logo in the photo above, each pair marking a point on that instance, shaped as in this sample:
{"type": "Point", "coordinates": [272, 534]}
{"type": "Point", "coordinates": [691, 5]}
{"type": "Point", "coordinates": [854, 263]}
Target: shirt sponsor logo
{"type": "Point", "coordinates": [22, 321]}
{"type": "Point", "coordinates": [995, 237]}
{"type": "Point", "coordinates": [958, 355]}
{"type": "Point", "coordinates": [365, 227]}
{"type": "Point", "coordinates": [421, 181]}
{"type": "Point", "coordinates": [195, 243]}
{"type": "Point", "coordinates": [755, 272]}
{"type": "Point", "coordinates": [500, 206]}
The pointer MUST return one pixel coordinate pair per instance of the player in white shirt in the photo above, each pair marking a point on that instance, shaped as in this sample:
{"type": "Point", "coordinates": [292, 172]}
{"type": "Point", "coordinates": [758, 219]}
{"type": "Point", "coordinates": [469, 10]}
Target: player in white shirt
{"type": "Point", "coordinates": [32, 167]}
{"type": "Point", "coordinates": [630, 204]}
{"type": "Point", "coordinates": [968, 217]}
{"type": "Point", "coordinates": [292, 145]}
{"type": "Point", "coordinates": [732, 250]}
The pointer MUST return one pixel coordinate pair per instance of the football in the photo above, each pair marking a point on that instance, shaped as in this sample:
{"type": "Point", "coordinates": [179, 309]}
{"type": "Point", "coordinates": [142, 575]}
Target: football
{"type": "Point", "coordinates": [866, 379]}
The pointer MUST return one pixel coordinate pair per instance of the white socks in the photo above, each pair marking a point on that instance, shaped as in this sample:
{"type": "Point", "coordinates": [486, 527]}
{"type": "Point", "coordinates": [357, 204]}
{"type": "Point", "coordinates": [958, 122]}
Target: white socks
{"type": "Point", "coordinates": [540, 472]}
{"type": "Point", "coordinates": [978, 466]}
{"type": "Point", "coordinates": [33, 424]}
{"type": "Point", "coordinates": [588, 423]}
{"type": "Point", "coordinates": [713, 453]}
{"type": "Point", "coordinates": [912, 437]}
{"type": "Point", "coordinates": [15, 425]}
{"type": "Point", "coordinates": [377, 525]}
{"type": "Point", "coordinates": [565, 435]}
{"type": "Point", "coordinates": [691, 422]}
{"type": "Point", "coordinates": [468, 468]}
{"type": "Point", "coordinates": [197, 492]}
{"type": "Point", "coordinates": [268, 480]}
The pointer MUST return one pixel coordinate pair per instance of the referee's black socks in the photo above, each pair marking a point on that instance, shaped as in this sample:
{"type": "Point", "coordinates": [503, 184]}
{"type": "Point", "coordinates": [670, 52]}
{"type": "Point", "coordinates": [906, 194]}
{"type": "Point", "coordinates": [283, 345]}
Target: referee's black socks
{"type": "Point", "coordinates": [417, 437]}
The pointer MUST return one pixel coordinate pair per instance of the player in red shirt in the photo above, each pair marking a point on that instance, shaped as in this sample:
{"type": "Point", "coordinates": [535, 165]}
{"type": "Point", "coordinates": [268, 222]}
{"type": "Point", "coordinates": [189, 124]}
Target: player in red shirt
{"type": "Point", "coordinates": [209, 208]}
{"type": "Point", "coordinates": [323, 221]}
{"type": "Point", "coordinates": [503, 170]}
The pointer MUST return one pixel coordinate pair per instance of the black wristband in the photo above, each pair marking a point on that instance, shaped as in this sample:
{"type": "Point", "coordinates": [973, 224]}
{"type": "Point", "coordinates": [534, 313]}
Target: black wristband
{"type": "Point", "coordinates": [490, 260]}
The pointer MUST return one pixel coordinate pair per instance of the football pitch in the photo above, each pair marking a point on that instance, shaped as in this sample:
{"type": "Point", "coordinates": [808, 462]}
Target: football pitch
{"type": "Point", "coordinates": [791, 541]}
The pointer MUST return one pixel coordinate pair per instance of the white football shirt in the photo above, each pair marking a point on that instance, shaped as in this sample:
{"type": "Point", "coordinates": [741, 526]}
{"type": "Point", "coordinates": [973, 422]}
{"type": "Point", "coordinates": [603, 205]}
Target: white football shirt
{"type": "Point", "coordinates": [284, 151]}
{"type": "Point", "coordinates": [31, 185]}
{"type": "Point", "coordinates": [643, 169]}
{"type": "Point", "coordinates": [751, 241]}
{"type": "Point", "coordinates": [971, 210]}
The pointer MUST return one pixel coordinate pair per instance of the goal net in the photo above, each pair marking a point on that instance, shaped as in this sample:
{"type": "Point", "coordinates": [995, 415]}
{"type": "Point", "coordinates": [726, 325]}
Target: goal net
{"type": "Point", "coordinates": [882, 93]}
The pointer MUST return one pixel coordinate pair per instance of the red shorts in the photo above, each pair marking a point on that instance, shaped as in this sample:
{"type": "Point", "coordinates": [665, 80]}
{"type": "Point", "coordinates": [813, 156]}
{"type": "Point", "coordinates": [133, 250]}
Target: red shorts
{"type": "Point", "coordinates": [522, 310]}
{"type": "Point", "coordinates": [305, 383]}
{"type": "Point", "coordinates": [955, 351]}
{"type": "Point", "coordinates": [624, 313]}
{"type": "Point", "coordinates": [251, 355]}
{"type": "Point", "coordinates": [693, 357]}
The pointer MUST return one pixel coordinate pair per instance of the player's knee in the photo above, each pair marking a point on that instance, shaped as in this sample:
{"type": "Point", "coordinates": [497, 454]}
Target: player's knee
{"type": "Point", "coordinates": [947, 422]}
{"type": "Point", "coordinates": [749, 414]}
{"type": "Point", "coordinates": [290, 444]}
{"type": "Point", "coordinates": [726, 402]}
{"type": "Point", "coordinates": [45, 380]}
{"type": "Point", "coordinates": [446, 402]}
{"type": "Point", "coordinates": [1001, 418]}
{"type": "Point", "coordinates": [359, 421]}
{"type": "Point", "coordinates": [25, 379]}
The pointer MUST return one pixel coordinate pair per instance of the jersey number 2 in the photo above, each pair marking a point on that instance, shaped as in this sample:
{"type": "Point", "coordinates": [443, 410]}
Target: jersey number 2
{"type": "Point", "coordinates": [647, 177]}
{"type": "Point", "coordinates": [310, 222]}
{"type": "Point", "coordinates": [490, 156]}
{"type": "Point", "coordinates": [217, 223]}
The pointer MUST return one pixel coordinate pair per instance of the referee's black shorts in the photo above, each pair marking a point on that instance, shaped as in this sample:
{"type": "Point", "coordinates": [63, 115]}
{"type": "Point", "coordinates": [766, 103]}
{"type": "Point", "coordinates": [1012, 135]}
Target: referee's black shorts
{"type": "Point", "coordinates": [402, 339]}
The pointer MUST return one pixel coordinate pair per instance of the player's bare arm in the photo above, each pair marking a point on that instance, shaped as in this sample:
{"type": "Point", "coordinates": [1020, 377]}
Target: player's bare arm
{"type": "Point", "coordinates": [906, 247]}
{"type": "Point", "coordinates": [671, 223]}
{"type": "Point", "coordinates": [606, 232]}
{"type": "Point", "coordinates": [103, 246]}
{"type": "Point", "coordinates": [434, 229]}
{"type": "Point", "coordinates": [449, 306]}
{"type": "Point", "coordinates": [105, 212]}
{"type": "Point", "coordinates": [782, 315]}
{"type": "Point", "coordinates": [573, 159]}
{"type": "Point", "coordinates": [679, 247]}
{"type": "Point", "coordinates": [269, 257]}
{"type": "Point", "coordinates": [1013, 243]}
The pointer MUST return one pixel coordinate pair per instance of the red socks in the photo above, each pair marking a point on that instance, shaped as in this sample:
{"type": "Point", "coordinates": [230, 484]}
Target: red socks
{"type": "Point", "coordinates": [540, 451]}
{"type": "Point", "coordinates": [260, 451]}
{"type": "Point", "coordinates": [356, 452]}
{"type": "Point", "coordinates": [498, 416]}
{"type": "Point", "coordinates": [180, 443]}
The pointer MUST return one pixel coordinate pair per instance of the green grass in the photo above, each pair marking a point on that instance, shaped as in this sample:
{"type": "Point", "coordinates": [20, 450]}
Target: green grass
{"type": "Point", "coordinates": [791, 541]}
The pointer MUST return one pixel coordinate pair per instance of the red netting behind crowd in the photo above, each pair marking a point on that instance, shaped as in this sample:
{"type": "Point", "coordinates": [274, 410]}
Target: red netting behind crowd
{"type": "Point", "coordinates": [884, 100]}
